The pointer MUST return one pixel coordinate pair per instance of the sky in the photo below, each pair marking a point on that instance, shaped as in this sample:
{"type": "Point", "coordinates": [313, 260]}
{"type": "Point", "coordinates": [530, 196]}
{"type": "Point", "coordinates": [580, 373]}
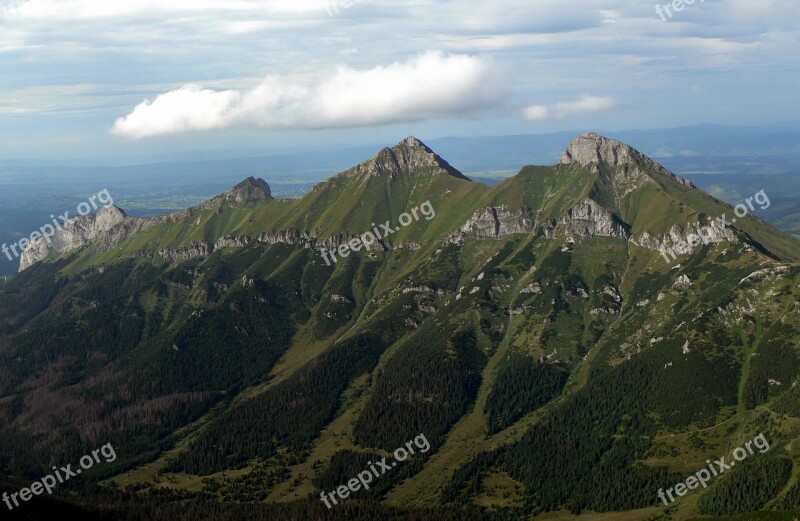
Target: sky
{"type": "Point", "coordinates": [107, 78]}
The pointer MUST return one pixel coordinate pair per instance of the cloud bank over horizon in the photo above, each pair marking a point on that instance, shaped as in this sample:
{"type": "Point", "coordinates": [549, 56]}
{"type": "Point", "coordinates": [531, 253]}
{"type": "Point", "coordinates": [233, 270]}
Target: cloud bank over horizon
{"type": "Point", "coordinates": [562, 110]}
{"type": "Point", "coordinates": [425, 86]}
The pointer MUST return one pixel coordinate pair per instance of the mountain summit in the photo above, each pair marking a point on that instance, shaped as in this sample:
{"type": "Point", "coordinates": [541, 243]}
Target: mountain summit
{"type": "Point", "coordinates": [409, 155]}
{"type": "Point", "coordinates": [250, 190]}
{"type": "Point", "coordinates": [593, 148]}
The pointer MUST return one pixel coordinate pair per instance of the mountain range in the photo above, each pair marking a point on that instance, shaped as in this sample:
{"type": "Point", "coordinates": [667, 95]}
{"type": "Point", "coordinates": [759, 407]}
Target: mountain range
{"type": "Point", "coordinates": [538, 332]}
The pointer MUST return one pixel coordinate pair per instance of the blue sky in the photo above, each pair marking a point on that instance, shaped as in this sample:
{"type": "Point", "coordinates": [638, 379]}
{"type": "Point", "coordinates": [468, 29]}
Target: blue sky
{"type": "Point", "coordinates": [104, 78]}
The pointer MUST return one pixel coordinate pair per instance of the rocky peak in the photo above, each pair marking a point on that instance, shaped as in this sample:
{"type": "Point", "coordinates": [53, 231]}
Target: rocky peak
{"type": "Point", "coordinates": [109, 216]}
{"type": "Point", "coordinates": [593, 148]}
{"type": "Point", "coordinates": [108, 227]}
{"type": "Point", "coordinates": [411, 141]}
{"type": "Point", "coordinates": [409, 155]}
{"type": "Point", "coordinates": [248, 191]}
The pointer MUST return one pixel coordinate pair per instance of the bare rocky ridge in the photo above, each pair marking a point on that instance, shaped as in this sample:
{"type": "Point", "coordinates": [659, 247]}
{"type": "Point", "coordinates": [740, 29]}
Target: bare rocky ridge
{"type": "Point", "coordinates": [112, 226]}
{"type": "Point", "coordinates": [587, 219]}
{"type": "Point", "coordinates": [679, 235]}
{"type": "Point", "coordinates": [249, 191]}
{"type": "Point", "coordinates": [200, 249]}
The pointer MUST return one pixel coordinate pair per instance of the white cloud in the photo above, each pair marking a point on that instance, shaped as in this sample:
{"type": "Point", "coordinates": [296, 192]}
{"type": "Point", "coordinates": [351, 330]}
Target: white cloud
{"type": "Point", "coordinates": [188, 108]}
{"type": "Point", "coordinates": [427, 85]}
{"type": "Point", "coordinates": [569, 109]}
{"type": "Point", "coordinates": [131, 50]}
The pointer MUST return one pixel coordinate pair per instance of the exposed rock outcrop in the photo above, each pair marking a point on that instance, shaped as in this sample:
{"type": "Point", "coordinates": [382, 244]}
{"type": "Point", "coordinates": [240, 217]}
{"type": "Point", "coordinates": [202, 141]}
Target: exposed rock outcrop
{"type": "Point", "coordinates": [192, 250]}
{"type": "Point", "coordinates": [499, 222]}
{"type": "Point", "coordinates": [292, 237]}
{"type": "Point", "coordinates": [587, 219]}
{"type": "Point", "coordinates": [676, 240]}
{"type": "Point", "coordinates": [232, 241]}
{"type": "Point", "coordinates": [248, 191]}
{"type": "Point", "coordinates": [200, 249]}
{"type": "Point", "coordinates": [109, 227]}
{"type": "Point", "coordinates": [251, 190]}
{"type": "Point", "coordinates": [594, 149]}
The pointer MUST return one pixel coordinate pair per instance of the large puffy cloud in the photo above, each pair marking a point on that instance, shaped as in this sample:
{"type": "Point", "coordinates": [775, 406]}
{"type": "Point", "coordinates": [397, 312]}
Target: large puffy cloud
{"type": "Point", "coordinates": [188, 108]}
{"type": "Point", "coordinates": [427, 85]}
{"type": "Point", "coordinates": [569, 109]}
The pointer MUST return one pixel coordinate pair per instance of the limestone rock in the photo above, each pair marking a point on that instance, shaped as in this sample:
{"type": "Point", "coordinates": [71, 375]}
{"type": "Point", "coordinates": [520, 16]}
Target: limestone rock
{"type": "Point", "coordinates": [109, 227]}
{"type": "Point", "coordinates": [594, 149]}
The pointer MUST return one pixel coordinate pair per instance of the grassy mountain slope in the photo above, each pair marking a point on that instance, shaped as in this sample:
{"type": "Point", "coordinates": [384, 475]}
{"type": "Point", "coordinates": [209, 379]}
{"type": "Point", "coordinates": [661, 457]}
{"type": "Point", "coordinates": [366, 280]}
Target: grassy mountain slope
{"type": "Point", "coordinates": [556, 365]}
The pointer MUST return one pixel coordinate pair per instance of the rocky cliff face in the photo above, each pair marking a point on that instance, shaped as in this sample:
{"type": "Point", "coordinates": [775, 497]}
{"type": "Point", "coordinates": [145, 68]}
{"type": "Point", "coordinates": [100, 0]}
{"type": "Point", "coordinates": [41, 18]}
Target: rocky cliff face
{"type": "Point", "coordinates": [587, 219]}
{"type": "Point", "coordinates": [497, 223]}
{"type": "Point", "coordinates": [109, 227]}
{"type": "Point", "coordinates": [192, 250]}
{"type": "Point", "coordinates": [678, 236]}
{"type": "Point", "coordinates": [593, 148]}
{"type": "Point", "coordinates": [200, 249]}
